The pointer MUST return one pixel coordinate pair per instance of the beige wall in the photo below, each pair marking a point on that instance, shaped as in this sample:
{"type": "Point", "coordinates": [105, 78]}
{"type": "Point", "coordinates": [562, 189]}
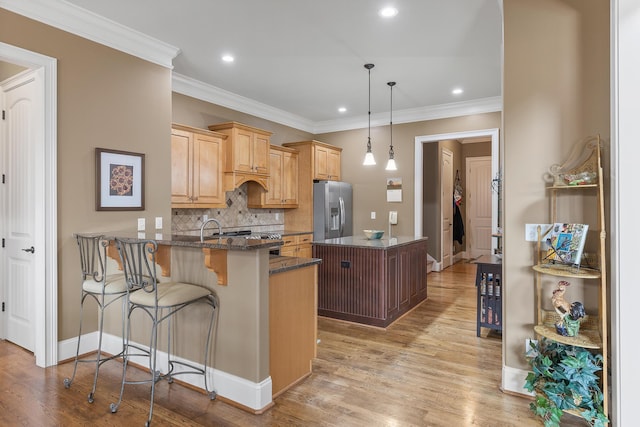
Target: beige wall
{"type": "Point", "coordinates": [369, 183]}
{"type": "Point", "coordinates": [556, 92]}
{"type": "Point", "coordinates": [105, 99]}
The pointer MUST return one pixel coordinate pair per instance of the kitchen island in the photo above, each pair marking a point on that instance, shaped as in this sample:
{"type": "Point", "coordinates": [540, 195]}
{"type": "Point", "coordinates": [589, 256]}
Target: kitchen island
{"type": "Point", "coordinates": [373, 282]}
{"type": "Point", "coordinates": [240, 271]}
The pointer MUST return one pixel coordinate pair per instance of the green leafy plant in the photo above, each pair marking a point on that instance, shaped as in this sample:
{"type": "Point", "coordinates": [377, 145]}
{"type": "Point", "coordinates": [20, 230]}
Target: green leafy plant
{"type": "Point", "coordinates": [564, 378]}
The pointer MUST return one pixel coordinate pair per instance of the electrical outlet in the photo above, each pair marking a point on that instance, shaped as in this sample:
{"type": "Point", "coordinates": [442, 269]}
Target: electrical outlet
{"type": "Point", "coordinates": [158, 223]}
{"type": "Point", "coordinates": [205, 217]}
{"type": "Point", "coordinates": [531, 231]}
{"type": "Point", "coordinates": [277, 216]}
{"type": "Point", "coordinates": [373, 215]}
{"type": "Point", "coordinates": [393, 217]}
{"type": "Point", "coordinates": [141, 224]}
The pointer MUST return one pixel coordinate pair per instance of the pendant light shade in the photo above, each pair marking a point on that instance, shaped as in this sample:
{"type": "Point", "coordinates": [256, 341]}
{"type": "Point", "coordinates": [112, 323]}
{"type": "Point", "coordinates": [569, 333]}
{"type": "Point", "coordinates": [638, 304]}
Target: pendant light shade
{"type": "Point", "coordinates": [391, 164]}
{"type": "Point", "coordinates": [368, 157]}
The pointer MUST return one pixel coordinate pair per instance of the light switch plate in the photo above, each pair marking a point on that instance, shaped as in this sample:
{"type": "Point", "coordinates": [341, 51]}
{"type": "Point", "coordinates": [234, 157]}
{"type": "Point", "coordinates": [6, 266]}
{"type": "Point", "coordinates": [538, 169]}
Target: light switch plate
{"type": "Point", "coordinates": [158, 223]}
{"type": "Point", "coordinates": [393, 217]}
{"type": "Point", "coordinates": [141, 224]}
{"type": "Point", "coordinates": [373, 215]}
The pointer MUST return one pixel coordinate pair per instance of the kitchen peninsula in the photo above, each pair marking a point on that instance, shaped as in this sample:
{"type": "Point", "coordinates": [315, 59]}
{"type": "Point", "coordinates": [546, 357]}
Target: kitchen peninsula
{"type": "Point", "coordinates": [251, 364]}
{"type": "Point", "coordinates": [372, 282]}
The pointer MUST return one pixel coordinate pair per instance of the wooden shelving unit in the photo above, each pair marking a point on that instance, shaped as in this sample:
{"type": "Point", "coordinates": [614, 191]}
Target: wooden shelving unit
{"type": "Point", "coordinates": [593, 328]}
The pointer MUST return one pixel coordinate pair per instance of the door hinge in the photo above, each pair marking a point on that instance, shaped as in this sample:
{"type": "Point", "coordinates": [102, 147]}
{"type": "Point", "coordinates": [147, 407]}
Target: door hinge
{"type": "Point", "coordinates": [3, 306]}
{"type": "Point", "coordinates": [3, 242]}
{"type": "Point", "coordinates": [3, 178]}
{"type": "Point", "coordinates": [4, 115]}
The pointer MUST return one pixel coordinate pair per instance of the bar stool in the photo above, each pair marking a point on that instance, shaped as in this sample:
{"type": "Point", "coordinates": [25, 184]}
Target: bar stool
{"type": "Point", "coordinates": [160, 301]}
{"type": "Point", "coordinates": [105, 289]}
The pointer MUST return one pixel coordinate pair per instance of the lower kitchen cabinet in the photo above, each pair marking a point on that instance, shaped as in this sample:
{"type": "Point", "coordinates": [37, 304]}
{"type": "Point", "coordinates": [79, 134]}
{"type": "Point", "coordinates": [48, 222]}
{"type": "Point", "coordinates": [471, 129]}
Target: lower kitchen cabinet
{"type": "Point", "coordinates": [298, 245]}
{"type": "Point", "coordinates": [370, 282]}
{"type": "Point", "coordinates": [292, 326]}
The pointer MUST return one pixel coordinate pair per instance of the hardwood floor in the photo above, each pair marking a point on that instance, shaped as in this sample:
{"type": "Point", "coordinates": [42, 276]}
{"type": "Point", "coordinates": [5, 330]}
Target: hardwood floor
{"type": "Point", "coordinates": [427, 369]}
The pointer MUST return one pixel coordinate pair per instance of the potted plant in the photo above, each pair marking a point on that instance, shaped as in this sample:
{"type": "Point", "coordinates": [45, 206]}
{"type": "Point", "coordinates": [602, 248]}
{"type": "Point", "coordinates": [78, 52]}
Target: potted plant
{"type": "Point", "coordinates": [564, 378]}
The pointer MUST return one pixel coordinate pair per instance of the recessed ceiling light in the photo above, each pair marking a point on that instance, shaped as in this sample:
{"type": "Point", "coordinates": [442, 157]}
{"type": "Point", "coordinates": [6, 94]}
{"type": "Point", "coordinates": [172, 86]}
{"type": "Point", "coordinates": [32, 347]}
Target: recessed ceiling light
{"type": "Point", "coordinates": [342, 109]}
{"type": "Point", "coordinates": [457, 91]}
{"type": "Point", "coordinates": [388, 12]}
{"type": "Point", "coordinates": [227, 58]}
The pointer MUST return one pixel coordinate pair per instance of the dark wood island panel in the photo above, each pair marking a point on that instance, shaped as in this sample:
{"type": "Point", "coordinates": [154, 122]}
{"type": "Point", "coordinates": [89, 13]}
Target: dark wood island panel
{"type": "Point", "coordinates": [370, 282]}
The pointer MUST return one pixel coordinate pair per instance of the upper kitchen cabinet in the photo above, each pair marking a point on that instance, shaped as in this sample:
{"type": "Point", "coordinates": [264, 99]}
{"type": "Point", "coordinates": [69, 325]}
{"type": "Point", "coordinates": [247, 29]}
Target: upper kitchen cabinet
{"type": "Point", "coordinates": [323, 159]}
{"type": "Point", "coordinates": [316, 161]}
{"type": "Point", "coordinates": [196, 168]}
{"type": "Point", "coordinates": [326, 162]}
{"type": "Point", "coordinates": [247, 154]}
{"type": "Point", "coordinates": [282, 181]}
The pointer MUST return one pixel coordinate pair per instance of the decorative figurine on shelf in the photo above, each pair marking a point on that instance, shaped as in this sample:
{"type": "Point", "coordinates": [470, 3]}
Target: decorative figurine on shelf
{"type": "Point", "coordinates": [570, 314]}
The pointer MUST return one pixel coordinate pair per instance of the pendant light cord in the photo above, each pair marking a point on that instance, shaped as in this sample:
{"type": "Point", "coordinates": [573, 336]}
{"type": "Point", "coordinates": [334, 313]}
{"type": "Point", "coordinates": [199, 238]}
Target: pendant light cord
{"type": "Point", "coordinates": [391, 85]}
{"type": "Point", "coordinates": [369, 67]}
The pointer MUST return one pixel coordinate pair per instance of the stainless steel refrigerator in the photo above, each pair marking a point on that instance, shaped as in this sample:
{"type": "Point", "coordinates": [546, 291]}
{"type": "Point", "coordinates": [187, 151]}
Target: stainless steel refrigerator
{"type": "Point", "coordinates": [332, 210]}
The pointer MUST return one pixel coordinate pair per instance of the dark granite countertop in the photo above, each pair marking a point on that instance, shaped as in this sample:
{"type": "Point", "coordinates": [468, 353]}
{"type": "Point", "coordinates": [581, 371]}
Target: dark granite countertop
{"type": "Point", "coordinates": [239, 243]}
{"type": "Point", "coordinates": [280, 264]}
{"type": "Point", "coordinates": [363, 242]}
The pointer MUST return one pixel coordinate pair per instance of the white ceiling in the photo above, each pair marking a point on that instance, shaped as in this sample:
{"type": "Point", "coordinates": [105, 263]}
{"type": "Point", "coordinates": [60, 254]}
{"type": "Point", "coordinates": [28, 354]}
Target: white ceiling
{"type": "Point", "coordinates": [305, 58]}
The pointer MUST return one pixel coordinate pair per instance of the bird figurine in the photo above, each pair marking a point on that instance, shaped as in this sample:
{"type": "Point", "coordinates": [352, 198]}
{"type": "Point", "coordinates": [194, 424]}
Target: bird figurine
{"type": "Point", "coordinates": [561, 305]}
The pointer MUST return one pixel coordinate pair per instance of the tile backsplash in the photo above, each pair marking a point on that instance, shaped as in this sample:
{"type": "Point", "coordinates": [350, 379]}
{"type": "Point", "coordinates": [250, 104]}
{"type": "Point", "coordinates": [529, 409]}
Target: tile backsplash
{"type": "Point", "coordinates": [237, 216]}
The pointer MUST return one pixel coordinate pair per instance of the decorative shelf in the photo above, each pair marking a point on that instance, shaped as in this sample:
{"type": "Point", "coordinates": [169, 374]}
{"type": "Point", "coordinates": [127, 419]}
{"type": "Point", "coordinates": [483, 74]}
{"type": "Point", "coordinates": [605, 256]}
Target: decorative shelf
{"type": "Point", "coordinates": [564, 270]}
{"type": "Point", "coordinates": [588, 337]}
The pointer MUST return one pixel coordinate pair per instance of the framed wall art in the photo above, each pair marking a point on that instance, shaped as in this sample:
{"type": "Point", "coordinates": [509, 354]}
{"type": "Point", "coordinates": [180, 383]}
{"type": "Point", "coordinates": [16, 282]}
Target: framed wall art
{"type": "Point", "coordinates": [119, 180]}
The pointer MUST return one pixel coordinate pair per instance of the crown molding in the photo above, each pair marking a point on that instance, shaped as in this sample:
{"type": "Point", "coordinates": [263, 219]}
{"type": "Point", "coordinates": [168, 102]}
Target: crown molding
{"type": "Point", "coordinates": [206, 92]}
{"type": "Point", "coordinates": [442, 111]}
{"type": "Point", "coordinates": [73, 19]}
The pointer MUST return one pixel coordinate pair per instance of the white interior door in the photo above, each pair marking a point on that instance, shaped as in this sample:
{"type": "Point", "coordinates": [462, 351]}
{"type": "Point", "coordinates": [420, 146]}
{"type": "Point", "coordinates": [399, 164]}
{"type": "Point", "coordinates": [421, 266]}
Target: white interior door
{"type": "Point", "coordinates": [446, 205]}
{"type": "Point", "coordinates": [22, 246]}
{"type": "Point", "coordinates": [479, 213]}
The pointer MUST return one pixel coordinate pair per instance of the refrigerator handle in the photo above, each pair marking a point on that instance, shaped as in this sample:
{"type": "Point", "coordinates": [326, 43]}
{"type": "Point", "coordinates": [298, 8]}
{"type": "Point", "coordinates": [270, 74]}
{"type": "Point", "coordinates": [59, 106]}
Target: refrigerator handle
{"type": "Point", "coordinates": [342, 215]}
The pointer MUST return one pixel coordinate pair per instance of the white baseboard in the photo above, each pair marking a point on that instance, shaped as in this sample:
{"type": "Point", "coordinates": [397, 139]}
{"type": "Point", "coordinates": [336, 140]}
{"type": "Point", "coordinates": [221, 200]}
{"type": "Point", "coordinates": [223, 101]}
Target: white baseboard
{"type": "Point", "coordinates": [255, 396]}
{"type": "Point", "coordinates": [513, 380]}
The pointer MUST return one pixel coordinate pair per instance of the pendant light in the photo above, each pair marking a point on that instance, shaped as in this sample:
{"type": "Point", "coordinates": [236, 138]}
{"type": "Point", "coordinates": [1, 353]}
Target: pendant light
{"type": "Point", "coordinates": [391, 164]}
{"type": "Point", "coordinates": [368, 158]}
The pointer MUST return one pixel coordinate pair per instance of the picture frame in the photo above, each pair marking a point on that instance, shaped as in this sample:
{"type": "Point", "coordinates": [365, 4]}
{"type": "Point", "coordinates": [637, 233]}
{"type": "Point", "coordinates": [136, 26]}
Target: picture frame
{"type": "Point", "coordinates": [119, 180]}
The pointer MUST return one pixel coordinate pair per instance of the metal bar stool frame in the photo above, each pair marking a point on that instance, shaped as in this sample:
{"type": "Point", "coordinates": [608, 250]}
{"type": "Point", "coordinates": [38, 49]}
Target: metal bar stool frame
{"type": "Point", "coordinates": [104, 289]}
{"type": "Point", "coordinates": [153, 298]}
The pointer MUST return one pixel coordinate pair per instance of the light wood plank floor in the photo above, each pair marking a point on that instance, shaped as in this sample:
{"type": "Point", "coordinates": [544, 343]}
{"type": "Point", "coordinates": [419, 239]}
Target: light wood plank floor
{"type": "Point", "coordinates": [427, 369]}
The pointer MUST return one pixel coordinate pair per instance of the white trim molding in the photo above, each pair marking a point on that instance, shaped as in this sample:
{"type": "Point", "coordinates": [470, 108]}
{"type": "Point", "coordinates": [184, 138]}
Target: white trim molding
{"type": "Point", "coordinates": [256, 396]}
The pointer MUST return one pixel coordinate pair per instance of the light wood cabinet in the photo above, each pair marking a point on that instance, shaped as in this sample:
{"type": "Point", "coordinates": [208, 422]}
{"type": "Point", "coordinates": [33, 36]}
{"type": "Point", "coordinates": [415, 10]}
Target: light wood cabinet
{"type": "Point", "coordinates": [326, 162]}
{"type": "Point", "coordinates": [298, 245]}
{"type": "Point", "coordinates": [246, 154]}
{"type": "Point", "coordinates": [282, 181]}
{"type": "Point", "coordinates": [316, 160]}
{"type": "Point", "coordinates": [292, 326]}
{"type": "Point", "coordinates": [196, 168]}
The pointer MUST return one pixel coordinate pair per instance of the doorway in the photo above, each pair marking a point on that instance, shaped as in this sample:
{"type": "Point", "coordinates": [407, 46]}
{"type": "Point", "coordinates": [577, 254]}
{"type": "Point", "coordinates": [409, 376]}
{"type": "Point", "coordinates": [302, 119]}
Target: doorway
{"type": "Point", "coordinates": [423, 141]}
{"type": "Point", "coordinates": [43, 169]}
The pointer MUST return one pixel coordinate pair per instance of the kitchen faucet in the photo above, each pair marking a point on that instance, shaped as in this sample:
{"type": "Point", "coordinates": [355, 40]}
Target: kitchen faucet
{"type": "Point", "coordinates": [207, 222]}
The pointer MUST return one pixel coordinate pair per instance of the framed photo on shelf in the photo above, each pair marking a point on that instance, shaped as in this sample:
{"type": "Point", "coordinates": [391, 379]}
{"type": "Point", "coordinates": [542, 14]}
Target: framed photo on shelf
{"type": "Point", "coordinates": [119, 180]}
{"type": "Point", "coordinates": [566, 243]}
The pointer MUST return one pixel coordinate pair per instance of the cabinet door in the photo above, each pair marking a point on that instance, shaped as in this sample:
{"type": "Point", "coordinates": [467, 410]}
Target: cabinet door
{"type": "Point", "coordinates": [405, 278]}
{"type": "Point", "coordinates": [289, 178]}
{"type": "Point", "coordinates": [274, 196]}
{"type": "Point", "coordinates": [260, 154]}
{"type": "Point", "coordinates": [393, 293]}
{"type": "Point", "coordinates": [181, 163]}
{"type": "Point", "coordinates": [333, 165]}
{"type": "Point", "coordinates": [242, 150]}
{"type": "Point", "coordinates": [207, 169]}
{"type": "Point", "coordinates": [321, 163]}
